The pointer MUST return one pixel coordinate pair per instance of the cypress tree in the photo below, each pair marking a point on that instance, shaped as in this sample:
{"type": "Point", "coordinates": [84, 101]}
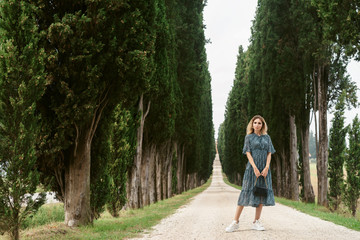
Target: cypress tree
{"type": "Point", "coordinates": [100, 158]}
{"type": "Point", "coordinates": [341, 23]}
{"type": "Point", "coordinates": [207, 129]}
{"type": "Point", "coordinates": [159, 126]}
{"type": "Point", "coordinates": [192, 78]}
{"type": "Point", "coordinates": [122, 150]}
{"type": "Point", "coordinates": [274, 87]}
{"type": "Point", "coordinates": [337, 149]}
{"type": "Point", "coordinates": [236, 120]}
{"type": "Point", "coordinates": [98, 54]}
{"type": "Point", "coordinates": [22, 83]}
{"type": "Point", "coordinates": [163, 85]}
{"type": "Point", "coordinates": [352, 164]}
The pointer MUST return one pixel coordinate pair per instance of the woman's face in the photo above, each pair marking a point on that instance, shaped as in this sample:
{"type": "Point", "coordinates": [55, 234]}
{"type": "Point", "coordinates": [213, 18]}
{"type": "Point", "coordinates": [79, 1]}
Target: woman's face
{"type": "Point", "coordinates": [257, 124]}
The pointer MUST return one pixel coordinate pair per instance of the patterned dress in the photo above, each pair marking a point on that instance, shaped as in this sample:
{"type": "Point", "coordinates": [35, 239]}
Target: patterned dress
{"type": "Point", "coordinates": [258, 146]}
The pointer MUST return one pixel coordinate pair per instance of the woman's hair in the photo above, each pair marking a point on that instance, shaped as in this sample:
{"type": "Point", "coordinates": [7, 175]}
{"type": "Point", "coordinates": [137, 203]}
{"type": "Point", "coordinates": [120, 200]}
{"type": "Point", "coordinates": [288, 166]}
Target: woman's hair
{"type": "Point", "coordinates": [250, 129]}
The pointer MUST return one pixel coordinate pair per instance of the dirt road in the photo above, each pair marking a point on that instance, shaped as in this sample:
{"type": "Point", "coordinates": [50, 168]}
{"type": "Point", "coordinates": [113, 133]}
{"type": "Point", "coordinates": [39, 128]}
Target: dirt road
{"type": "Point", "coordinates": [207, 215]}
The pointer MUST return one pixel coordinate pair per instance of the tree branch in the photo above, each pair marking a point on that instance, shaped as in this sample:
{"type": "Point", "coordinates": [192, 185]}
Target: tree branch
{"type": "Point", "coordinates": [98, 117]}
{"type": "Point", "coordinates": [148, 109]}
{"type": "Point", "coordinates": [103, 102]}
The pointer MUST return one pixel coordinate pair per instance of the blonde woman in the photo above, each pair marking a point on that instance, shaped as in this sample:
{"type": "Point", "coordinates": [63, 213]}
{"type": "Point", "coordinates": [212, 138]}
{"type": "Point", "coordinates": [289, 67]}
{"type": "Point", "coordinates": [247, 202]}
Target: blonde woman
{"type": "Point", "coordinates": [258, 149]}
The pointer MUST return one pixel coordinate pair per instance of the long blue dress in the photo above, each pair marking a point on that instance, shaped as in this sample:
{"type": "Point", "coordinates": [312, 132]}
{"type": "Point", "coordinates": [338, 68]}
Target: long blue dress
{"type": "Point", "coordinates": [258, 146]}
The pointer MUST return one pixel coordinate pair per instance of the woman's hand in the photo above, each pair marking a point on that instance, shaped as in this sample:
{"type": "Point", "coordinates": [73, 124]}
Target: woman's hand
{"type": "Point", "coordinates": [257, 172]}
{"type": "Point", "coordinates": [264, 173]}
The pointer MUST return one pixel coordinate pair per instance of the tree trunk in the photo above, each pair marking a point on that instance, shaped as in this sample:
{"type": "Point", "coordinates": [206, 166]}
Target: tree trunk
{"type": "Point", "coordinates": [145, 177]}
{"type": "Point", "coordinates": [293, 160]}
{"type": "Point", "coordinates": [77, 182]}
{"type": "Point", "coordinates": [152, 173]}
{"type": "Point", "coordinates": [353, 210]}
{"type": "Point", "coordinates": [169, 171]}
{"type": "Point", "coordinates": [187, 182]}
{"type": "Point", "coordinates": [322, 158]}
{"type": "Point", "coordinates": [309, 195]}
{"type": "Point", "coordinates": [286, 183]}
{"type": "Point", "coordinates": [278, 176]}
{"type": "Point", "coordinates": [158, 175]}
{"type": "Point", "coordinates": [15, 232]}
{"type": "Point", "coordinates": [180, 170]}
{"type": "Point", "coordinates": [165, 162]}
{"type": "Point", "coordinates": [134, 189]}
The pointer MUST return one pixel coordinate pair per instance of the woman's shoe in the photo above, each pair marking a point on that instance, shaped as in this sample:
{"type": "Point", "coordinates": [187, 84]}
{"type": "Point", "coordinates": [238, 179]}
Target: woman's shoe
{"type": "Point", "coordinates": [232, 227]}
{"type": "Point", "coordinates": [257, 226]}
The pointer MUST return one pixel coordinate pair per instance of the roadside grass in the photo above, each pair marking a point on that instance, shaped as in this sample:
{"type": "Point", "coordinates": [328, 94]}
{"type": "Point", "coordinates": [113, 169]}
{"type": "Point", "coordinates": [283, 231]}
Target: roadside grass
{"type": "Point", "coordinates": [321, 212]}
{"type": "Point", "coordinates": [48, 213]}
{"type": "Point", "coordinates": [131, 223]}
{"type": "Point", "coordinates": [226, 180]}
{"type": "Point", "coordinates": [341, 217]}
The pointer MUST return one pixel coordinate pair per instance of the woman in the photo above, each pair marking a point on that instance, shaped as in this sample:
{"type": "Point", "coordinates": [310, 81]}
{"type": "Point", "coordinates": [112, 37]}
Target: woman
{"type": "Point", "coordinates": [258, 149]}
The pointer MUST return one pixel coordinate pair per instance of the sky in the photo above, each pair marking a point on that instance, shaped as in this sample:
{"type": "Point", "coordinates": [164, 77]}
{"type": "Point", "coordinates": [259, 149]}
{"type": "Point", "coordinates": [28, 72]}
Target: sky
{"type": "Point", "coordinates": [228, 25]}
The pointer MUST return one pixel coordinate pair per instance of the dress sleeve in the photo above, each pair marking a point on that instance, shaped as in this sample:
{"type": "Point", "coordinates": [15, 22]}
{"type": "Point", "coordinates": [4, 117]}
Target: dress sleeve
{"type": "Point", "coordinates": [246, 147]}
{"type": "Point", "coordinates": [271, 148]}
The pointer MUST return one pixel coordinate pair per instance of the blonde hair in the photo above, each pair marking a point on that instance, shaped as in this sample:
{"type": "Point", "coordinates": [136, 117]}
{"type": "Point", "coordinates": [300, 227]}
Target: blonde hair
{"type": "Point", "coordinates": [250, 129]}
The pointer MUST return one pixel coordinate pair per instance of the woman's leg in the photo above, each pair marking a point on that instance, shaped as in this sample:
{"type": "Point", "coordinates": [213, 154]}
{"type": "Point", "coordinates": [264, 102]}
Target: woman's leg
{"type": "Point", "coordinates": [258, 212]}
{"type": "Point", "coordinates": [238, 213]}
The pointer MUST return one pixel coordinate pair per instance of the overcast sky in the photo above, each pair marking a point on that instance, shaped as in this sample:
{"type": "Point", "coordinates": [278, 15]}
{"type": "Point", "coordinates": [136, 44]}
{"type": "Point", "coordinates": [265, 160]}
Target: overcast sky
{"type": "Point", "coordinates": [228, 24]}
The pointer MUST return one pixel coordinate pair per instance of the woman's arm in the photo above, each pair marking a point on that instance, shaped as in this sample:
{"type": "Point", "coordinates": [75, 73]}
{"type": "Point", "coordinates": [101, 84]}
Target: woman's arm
{"type": "Point", "coordinates": [266, 169]}
{"type": "Point", "coordinates": [251, 161]}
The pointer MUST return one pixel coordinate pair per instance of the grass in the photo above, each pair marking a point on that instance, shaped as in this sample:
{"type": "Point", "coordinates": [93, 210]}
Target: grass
{"type": "Point", "coordinates": [48, 213]}
{"type": "Point", "coordinates": [322, 213]}
{"type": "Point", "coordinates": [341, 218]}
{"type": "Point", "coordinates": [313, 177]}
{"type": "Point", "coordinates": [226, 180]}
{"type": "Point", "coordinates": [130, 223]}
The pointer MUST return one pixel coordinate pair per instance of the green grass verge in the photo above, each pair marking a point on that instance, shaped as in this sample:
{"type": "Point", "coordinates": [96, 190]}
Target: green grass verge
{"type": "Point", "coordinates": [226, 180]}
{"type": "Point", "coordinates": [322, 213]}
{"type": "Point", "coordinates": [314, 210]}
{"type": "Point", "coordinates": [130, 223]}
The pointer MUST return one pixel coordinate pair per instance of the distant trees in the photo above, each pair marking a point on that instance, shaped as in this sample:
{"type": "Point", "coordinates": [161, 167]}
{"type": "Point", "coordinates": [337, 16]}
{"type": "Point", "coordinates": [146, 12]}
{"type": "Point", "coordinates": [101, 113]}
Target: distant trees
{"type": "Point", "coordinates": [312, 144]}
{"type": "Point", "coordinates": [293, 70]}
{"type": "Point", "coordinates": [177, 107]}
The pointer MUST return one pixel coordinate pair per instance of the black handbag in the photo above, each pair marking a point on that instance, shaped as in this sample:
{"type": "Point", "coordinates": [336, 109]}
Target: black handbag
{"type": "Point", "coordinates": [260, 191]}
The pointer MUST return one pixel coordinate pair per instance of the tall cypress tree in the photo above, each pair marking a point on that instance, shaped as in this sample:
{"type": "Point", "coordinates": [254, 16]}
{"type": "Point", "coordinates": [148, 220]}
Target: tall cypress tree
{"type": "Point", "coordinates": [352, 164]}
{"type": "Point", "coordinates": [236, 120]}
{"type": "Point", "coordinates": [337, 149]}
{"type": "Point", "coordinates": [206, 128]}
{"type": "Point", "coordinates": [99, 54]}
{"type": "Point", "coordinates": [192, 76]}
{"type": "Point", "coordinates": [122, 150]}
{"type": "Point", "coordinates": [22, 83]}
{"type": "Point", "coordinates": [274, 86]}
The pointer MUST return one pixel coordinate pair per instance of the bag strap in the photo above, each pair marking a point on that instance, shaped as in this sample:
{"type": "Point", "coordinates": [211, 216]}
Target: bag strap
{"type": "Point", "coordinates": [265, 181]}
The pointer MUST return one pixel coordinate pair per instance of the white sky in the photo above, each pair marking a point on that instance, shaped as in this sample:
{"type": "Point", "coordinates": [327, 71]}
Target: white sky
{"type": "Point", "coordinates": [228, 24]}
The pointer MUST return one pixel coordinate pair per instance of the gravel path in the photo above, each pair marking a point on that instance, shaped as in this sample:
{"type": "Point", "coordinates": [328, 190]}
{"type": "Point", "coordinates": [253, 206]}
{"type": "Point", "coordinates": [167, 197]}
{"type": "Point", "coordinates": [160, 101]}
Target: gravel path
{"type": "Point", "coordinates": [207, 215]}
